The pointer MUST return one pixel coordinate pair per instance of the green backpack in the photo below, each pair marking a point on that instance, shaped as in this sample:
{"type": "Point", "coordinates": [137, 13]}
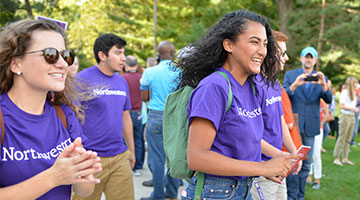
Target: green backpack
{"type": "Point", "coordinates": [176, 132]}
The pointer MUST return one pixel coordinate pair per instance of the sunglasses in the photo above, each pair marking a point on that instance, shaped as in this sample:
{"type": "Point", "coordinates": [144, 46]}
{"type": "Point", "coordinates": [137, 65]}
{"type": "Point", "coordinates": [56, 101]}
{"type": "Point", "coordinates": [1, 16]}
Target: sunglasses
{"type": "Point", "coordinates": [51, 55]}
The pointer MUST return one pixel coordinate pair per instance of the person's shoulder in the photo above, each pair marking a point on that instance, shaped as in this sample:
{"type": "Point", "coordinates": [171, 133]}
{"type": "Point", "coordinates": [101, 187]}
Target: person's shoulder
{"type": "Point", "coordinates": [86, 71]}
{"type": "Point", "coordinates": [67, 109]}
{"type": "Point", "coordinates": [124, 75]}
{"type": "Point", "coordinates": [344, 91]}
{"type": "Point", "coordinates": [214, 79]}
{"type": "Point", "coordinates": [127, 76]}
{"type": "Point", "coordinates": [258, 77]}
{"type": "Point", "coordinates": [277, 85]}
{"type": "Point", "coordinates": [2, 99]}
{"type": "Point", "coordinates": [150, 70]}
{"type": "Point", "coordinates": [119, 77]}
{"type": "Point", "coordinates": [292, 71]}
{"type": "Point", "coordinates": [131, 74]}
{"type": "Point", "coordinates": [260, 81]}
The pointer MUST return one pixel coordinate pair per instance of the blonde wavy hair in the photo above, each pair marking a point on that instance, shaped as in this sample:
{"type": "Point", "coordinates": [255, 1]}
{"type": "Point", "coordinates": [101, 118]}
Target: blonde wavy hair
{"type": "Point", "coordinates": [15, 38]}
{"type": "Point", "coordinates": [350, 86]}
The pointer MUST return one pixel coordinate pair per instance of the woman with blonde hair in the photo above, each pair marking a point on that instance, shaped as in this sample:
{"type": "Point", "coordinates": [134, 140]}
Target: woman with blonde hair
{"type": "Point", "coordinates": [41, 156]}
{"type": "Point", "coordinates": [347, 121]}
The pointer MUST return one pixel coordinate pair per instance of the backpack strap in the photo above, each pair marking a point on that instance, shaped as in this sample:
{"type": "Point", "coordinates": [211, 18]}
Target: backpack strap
{"type": "Point", "coordinates": [201, 175]}
{"type": "Point", "coordinates": [2, 128]}
{"type": "Point", "coordinates": [199, 185]}
{"type": "Point", "coordinates": [61, 115]}
{"type": "Point", "coordinates": [253, 86]}
{"type": "Point", "coordinates": [230, 91]}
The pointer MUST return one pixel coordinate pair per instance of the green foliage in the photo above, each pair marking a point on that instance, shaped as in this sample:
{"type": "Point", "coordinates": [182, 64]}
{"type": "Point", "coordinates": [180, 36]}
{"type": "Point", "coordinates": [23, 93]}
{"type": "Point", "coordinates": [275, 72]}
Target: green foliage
{"type": "Point", "coordinates": [341, 43]}
{"type": "Point", "coordinates": [7, 11]}
{"type": "Point", "coordinates": [183, 22]}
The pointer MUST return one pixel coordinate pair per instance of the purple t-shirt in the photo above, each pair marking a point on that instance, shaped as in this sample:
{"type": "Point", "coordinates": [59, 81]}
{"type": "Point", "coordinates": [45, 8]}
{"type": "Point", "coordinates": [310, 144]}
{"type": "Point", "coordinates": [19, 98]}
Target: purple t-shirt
{"type": "Point", "coordinates": [270, 101]}
{"type": "Point", "coordinates": [104, 115]}
{"type": "Point", "coordinates": [238, 131]}
{"type": "Point", "coordinates": [33, 142]}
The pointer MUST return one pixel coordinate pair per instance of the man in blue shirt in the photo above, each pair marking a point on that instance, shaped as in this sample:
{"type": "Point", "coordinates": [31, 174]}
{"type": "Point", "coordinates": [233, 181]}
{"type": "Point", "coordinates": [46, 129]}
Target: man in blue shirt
{"type": "Point", "coordinates": [156, 84]}
{"type": "Point", "coordinates": [305, 100]}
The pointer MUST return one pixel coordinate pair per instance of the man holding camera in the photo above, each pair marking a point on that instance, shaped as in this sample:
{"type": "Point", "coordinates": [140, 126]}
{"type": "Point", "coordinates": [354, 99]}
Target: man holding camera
{"type": "Point", "coordinates": [305, 87]}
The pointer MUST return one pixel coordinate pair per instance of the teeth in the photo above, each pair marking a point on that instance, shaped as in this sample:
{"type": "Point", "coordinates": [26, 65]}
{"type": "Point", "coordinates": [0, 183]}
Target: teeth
{"type": "Point", "coordinates": [56, 75]}
{"type": "Point", "coordinates": [256, 59]}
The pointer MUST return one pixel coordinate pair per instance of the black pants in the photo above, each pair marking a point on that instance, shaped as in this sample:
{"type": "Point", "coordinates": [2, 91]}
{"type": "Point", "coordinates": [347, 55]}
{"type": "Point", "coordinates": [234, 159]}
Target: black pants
{"type": "Point", "coordinates": [334, 126]}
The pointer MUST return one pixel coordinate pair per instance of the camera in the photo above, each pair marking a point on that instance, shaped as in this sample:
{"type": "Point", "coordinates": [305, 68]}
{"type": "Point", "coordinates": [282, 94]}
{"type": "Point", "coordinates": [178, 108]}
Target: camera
{"type": "Point", "coordinates": [311, 78]}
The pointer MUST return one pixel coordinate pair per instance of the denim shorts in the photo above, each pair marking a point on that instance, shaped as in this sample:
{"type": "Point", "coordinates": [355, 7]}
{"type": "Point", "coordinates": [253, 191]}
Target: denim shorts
{"type": "Point", "coordinates": [220, 188]}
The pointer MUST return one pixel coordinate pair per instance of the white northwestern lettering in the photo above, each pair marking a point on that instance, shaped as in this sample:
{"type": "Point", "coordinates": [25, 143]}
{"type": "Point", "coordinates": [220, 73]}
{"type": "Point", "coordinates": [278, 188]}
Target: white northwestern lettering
{"type": "Point", "coordinates": [6, 152]}
{"type": "Point", "coordinates": [19, 153]}
{"type": "Point", "coordinates": [108, 92]}
{"type": "Point", "coordinates": [273, 100]}
{"type": "Point", "coordinates": [12, 154]}
{"type": "Point", "coordinates": [249, 114]}
{"type": "Point", "coordinates": [53, 153]}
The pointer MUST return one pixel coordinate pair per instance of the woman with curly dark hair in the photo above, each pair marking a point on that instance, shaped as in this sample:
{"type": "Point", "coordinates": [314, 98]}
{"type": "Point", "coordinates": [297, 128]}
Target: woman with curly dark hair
{"type": "Point", "coordinates": [226, 144]}
{"type": "Point", "coordinates": [40, 157]}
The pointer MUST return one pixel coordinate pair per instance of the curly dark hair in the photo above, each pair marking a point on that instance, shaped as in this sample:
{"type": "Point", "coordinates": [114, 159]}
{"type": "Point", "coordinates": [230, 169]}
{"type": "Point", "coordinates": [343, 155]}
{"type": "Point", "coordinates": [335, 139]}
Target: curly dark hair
{"type": "Point", "coordinates": [208, 53]}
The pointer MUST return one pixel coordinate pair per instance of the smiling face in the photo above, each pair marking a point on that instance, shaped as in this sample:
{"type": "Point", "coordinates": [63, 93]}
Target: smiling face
{"type": "Point", "coordinates": [36, 73]}
{"type": "Point", "coordinates": [249, 50]}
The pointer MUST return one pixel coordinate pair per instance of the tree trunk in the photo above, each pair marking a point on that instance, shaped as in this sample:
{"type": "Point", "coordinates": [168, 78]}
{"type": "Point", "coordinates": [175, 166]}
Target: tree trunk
{"type": "Point", "coordinates": [321, 33]}
{"type": "Point", "coordinates": [155, 28]}
{"type": "Point", "coordinates": [29, 9]}
{"type": "Point", "coordinates": [284, 7]}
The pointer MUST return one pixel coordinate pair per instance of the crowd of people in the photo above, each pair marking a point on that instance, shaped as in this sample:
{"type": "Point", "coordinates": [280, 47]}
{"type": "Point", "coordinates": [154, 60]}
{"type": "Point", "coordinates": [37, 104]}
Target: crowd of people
{"type": "Point", "coordinates": [78, 135]}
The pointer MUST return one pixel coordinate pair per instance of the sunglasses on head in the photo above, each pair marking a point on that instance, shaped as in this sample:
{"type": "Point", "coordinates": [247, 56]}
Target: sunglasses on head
{"type": "Point", "coordinates": [51, 55]}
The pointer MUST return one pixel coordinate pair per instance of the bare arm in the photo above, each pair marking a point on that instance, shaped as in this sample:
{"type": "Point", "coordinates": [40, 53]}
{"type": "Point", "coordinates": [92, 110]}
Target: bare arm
{"type": "Point", "coordinates": [269, 149]}
{"type": "Point", "coordinates": [287, 141]}
{"type": "Point", "coordinates": [129, 136]}
{"type": "Point", "coordinates": [290, 126]}
{"type": "Point", "coordinates": [325, 111]}
{"type": "Point", "coordinates": [342, 106]}
{"type": "Point", "coordinates": [145, 96]}
{"type": "Point", "coordinates": [201, 158]}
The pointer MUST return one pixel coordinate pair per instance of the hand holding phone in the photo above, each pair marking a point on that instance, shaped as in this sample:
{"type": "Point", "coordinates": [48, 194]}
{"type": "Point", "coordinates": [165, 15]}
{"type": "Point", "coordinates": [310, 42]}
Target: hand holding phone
{"type": "Point", "coordinates": [303, 150]}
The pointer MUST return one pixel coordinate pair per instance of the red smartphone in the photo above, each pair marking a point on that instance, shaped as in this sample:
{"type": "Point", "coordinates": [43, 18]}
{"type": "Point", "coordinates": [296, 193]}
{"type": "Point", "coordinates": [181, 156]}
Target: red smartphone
{"type": "Point", "coordinates": [303, 149]}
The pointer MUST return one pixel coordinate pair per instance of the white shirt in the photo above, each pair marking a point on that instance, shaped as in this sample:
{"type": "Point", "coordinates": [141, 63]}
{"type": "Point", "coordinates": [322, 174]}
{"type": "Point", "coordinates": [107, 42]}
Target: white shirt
{"type": "Point", "coordinates": [345, 99]}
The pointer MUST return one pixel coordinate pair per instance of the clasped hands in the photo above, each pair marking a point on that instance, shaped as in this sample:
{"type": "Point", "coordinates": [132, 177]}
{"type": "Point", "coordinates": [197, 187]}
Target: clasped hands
{"type": "Point", "coordinates": [75, 165]}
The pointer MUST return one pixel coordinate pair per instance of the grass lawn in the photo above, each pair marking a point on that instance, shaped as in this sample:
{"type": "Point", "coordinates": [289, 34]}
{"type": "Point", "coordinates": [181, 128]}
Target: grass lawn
{"type": "Point", "coordinates": [337, 182]}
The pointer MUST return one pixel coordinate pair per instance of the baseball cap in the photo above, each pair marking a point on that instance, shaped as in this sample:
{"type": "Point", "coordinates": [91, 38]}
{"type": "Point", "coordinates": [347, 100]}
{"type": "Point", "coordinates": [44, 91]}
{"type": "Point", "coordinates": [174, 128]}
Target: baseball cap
{"type": "Point", "coordinates": [309, 50]}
